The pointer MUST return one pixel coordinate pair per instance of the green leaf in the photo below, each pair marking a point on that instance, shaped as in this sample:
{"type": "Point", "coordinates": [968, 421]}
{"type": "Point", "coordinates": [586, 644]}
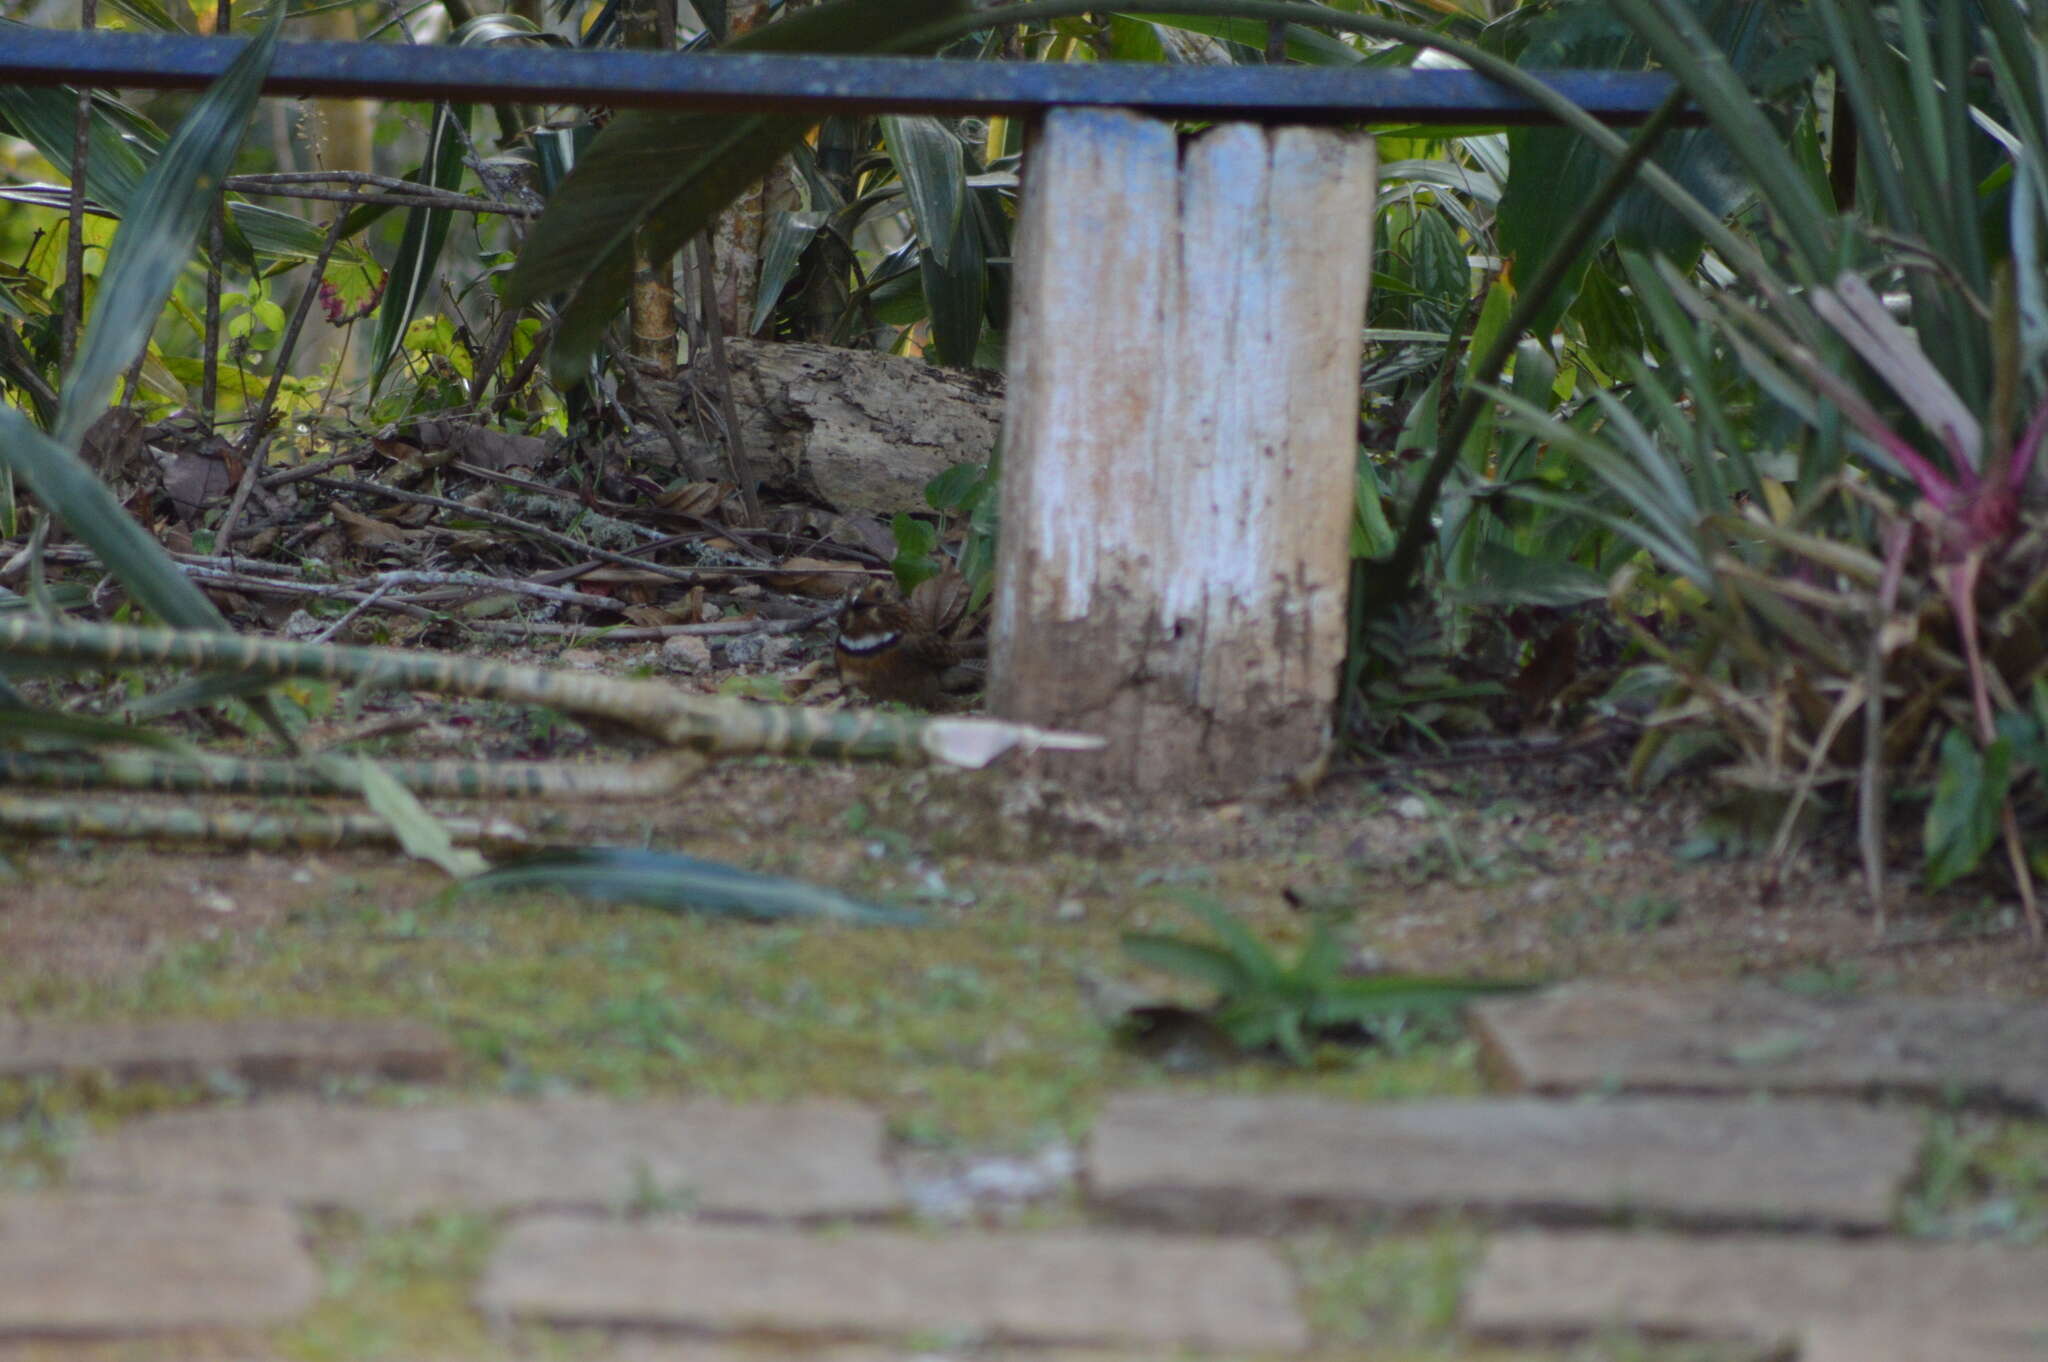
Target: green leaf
{"type": "Point", "coordinates": [63, 483]}
{"type": "Point", "coordinates": [423, 836]}
{"type": "Point", "coordinates": [1384, 995]}
{"type": "Point", "coordinates": [417, 265]}
{"type": "Point", "coordinates": [956, 294]}
{"type": "Point", "coordinates": [117, 157]}
{"type": "Point", "coordinates": [1962, 821]}
{"type": "Point", "coordinates": [157, 237]}
{"type": "Point", "coordinates": [1305, 45]}
{"type": "Point", "coordinates": [1320, 959]}
{"type": "Point", "coordinates": [1371, 535]}
{"type": "Point", "coordinates": [1504, 576]}
{"type": "Point", "coordinates": [1288, 1035]}
{"type": "Point", "coordinates": [677, 883]}
{"type": "Point", "coordinates": [1252, 954]}
{"type": "Point", "coordinates": [45, 729]}
{"type": "Point", "coordinates": [672, 173]}
{"type": "Point", "coordinates": [123, 147]}
{"type": "Point", "coordinates": [959, 489]}
{"type": "Point", "coordinates": [927, 157]}
{"type": "Point", "coordinates": [917, 550]}
{"type": "Point", "coordinates": [1197, 960]}
{"type": "Point", "coordinates": [789, 235]}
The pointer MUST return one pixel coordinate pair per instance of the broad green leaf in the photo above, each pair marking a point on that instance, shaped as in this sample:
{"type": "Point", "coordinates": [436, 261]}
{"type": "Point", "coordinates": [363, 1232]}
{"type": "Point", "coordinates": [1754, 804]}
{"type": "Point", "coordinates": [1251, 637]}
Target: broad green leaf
{"type": "Point", "coordinates": [917, 545]}
{"type": "Point", "coordinates": [1134, 40]}
{"type": "Point", "coordinates": [789, 235]}
{"type": "Point", "coordinates": [116, 158]}
{"type": "Point", "coordinates": [677, 883]}
{"type": "Point", "coordinates": [960, 488]}
{"type": "Point", "coordinates": [1304, 45]}
{"type": "Point", "coordinates": [159, 234]}
{"type": "Point", "coordinates": [671, 174]}
{"type": "Point", "coordinates": [928, 158]}
{"type": "Point", "coordinates": [956, 294]}
{"type": "Point", "coordinates": [1963, 818]}
{"type": "Point", "coordinates": [417, 265]}
{"type": "Point", "coordinates": [123, 147]}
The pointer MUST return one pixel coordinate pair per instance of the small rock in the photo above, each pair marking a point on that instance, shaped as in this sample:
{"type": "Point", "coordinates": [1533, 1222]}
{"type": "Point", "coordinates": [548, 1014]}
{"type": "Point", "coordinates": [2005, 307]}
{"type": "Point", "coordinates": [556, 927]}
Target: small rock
{"type": "Point", "coordinates": [686, 653]}
{"type": "Point", "coordinates": [1412, 807]}
{"type": "Point", "coordinates": [776, 648]}
{"type": "Point", "coordinates": [744, 650]}
{"type": "Point", "coordinates": [1541, 891]}
{"type": "Point", "coordinates": [1071, 910]}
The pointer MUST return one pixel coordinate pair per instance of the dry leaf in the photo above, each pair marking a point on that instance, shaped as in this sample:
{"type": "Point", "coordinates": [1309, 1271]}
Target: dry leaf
{"type": "Point", "coordinates": [820, 577]}
{"type": "Point", "coordinates": [695, 498]}
{"type": "Point", "coordinates": [369, 531]}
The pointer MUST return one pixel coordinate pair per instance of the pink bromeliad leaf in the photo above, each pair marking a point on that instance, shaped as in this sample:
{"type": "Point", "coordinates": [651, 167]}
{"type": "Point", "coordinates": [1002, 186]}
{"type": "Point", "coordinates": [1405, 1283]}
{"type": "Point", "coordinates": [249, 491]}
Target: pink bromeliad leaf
{"type": "Point", "coordinates": [1859, 315]}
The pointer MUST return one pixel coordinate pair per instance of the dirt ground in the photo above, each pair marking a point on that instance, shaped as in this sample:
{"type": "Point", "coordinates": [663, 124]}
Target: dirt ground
{"type": "Point", "coordinates": [1546, 867]}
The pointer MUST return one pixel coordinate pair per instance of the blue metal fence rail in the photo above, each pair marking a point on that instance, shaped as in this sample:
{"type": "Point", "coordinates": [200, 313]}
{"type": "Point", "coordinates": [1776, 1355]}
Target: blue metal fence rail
{"type": "Point", "coordinates": [817, 85]}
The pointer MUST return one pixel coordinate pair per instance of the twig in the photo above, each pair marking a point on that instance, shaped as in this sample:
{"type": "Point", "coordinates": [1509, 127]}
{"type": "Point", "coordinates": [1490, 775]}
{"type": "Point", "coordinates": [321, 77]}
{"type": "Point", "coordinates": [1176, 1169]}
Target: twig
{"type": "Point", "coordinates": [721, 377]}
{"type": "Point", "coordinates": [494, 354]}
{"type": "Point", "coordinates": [1870, 789]}
{"type": "Point", "coordinates": [313, 470]}
{"type": "Point", "coordinates": [252, 466]}
{"type": "Point", "coordinates": [743, 538]}
{"type": "Point", "coordinates": [216, 241]}
{"type": "Point", "coordinates": [389, 581]}
{"type": "Point", "coordinates": [524, 373]}
{"type": "Point", "coordinates": [350, 618]}
{"type": "Point", "coordinates": [652, 632]}
{"type": "Point", "coordinates": [261, 424]}
{"type": "Point", "coordinates": [74, 244]}
{"type": "Point", "coordinates": [378, 489]}
{"type": "Point", "coordinates": [398, 192]}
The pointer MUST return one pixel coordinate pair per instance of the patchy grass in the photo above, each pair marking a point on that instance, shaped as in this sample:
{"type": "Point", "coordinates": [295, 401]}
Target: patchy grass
{"type": "Point", "coordinates": [1980, 1177]}
{"type": "Point", "coordinates": [970, 1031]}
{"type": "Point", "coordinates": [394, 1291]}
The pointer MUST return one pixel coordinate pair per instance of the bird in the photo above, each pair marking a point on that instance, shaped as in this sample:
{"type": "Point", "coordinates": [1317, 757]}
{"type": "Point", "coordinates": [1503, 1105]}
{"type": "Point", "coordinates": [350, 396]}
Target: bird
{"type": "Point", "coordinates": [894, 648]}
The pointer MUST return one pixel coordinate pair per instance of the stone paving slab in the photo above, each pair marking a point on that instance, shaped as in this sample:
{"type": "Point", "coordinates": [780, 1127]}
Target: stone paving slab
{"type": "Point", "coordinates": [83, 1264]}
{"type": "Point", "coordinates": [1851, 1343]}
{"type": "Point", "coordinates": [1030, 1288]}
{"type": "Point", "coordinates": [1229, 1161]}
{"type": "Point", "coordinates": [264, 1051]}
{"type": "Point", "coordinates": [1699, 1039]}
{"type": "Point", "coordinates": [657, 1348]}
{"type": "Point", "coordinates": [1541, 1284]}
{"type": "Point", "coordinates": [803, 1160]}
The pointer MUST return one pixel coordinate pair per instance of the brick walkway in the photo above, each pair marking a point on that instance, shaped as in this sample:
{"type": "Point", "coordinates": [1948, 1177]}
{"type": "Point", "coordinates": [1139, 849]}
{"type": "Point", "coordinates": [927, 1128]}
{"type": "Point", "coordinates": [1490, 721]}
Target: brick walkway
{"type": "Point", "coordinates": [1705, 1164]}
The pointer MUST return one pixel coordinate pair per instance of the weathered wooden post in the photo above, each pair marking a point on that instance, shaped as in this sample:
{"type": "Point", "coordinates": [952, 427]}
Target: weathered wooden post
{"type": "Point", "coordinates": [1179, 444]}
